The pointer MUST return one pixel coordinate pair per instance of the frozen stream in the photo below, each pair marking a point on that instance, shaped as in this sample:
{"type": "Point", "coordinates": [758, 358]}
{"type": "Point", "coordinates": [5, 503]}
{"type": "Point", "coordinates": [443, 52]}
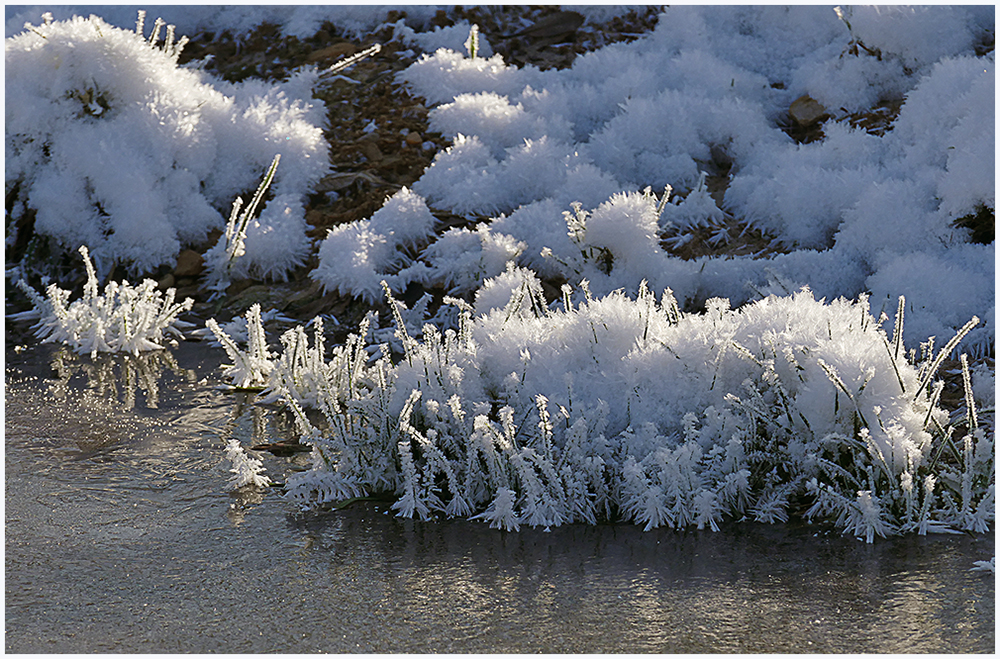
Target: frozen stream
{"type": "Point", "coordinates": [121, 537]}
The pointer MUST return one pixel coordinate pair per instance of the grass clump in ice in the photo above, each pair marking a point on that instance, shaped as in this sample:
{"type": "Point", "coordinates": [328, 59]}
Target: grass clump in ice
{"type": "Point", "coordinates": [628, 409]}
{"type": "Point", "coordinates": [124, 318]}
{"type": "Point", "coordinates": [246, 468]}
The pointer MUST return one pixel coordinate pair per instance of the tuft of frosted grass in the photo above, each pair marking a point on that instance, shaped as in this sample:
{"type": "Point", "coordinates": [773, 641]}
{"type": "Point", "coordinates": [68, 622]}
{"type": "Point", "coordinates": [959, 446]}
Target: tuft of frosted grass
{"type": "Point", "coordinates": [220, 260]}
{"type": "Point", "coordinates": [124, 318]}
{"type": "Point", "coordinates": [115, 146]}
{"type": "Point", "coordinates": [246, 469]}
{"type": "Point", "coordinates": [985, 566]}
{"type": "Point", "coordinates": [250, 368]}
{"type": "Point", "coordinates": [626, 408]}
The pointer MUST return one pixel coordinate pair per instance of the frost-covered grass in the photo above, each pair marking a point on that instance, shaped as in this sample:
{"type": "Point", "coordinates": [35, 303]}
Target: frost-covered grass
{"type": "Point", "coordinates": [124, 318]}
{"type": "Point", "coordinates": [600, 406]}
{"type": "Point", "coordinates": [629, 409]}
{"type": "Point", "coordinates": [246, 468]}
{"type": "Point", "coordinates": [112, 145]}
{"type": "Point", "coordinates": [557, 161]}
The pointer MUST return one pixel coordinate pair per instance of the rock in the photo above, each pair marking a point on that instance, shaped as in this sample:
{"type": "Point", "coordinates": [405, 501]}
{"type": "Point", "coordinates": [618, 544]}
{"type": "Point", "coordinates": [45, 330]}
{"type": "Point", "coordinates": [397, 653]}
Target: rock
{"type": "Point", "coordinates": [414, 139]}
{"type": "Point", "coordinates": [371, 151]}
{"type": "Point", "coordinates": [559, 24]}
{"type": "Point", "coordinates": [806, 111]}
{"type": "Point", "coordinates": [189, 264]}
{"type": "Point", "coordinates": [318, 218]}
{"type": "Point", "coordinates": [165, 282]}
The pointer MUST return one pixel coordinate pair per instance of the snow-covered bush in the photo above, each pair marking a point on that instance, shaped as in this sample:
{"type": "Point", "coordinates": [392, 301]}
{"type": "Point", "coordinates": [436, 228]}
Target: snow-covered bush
{"type": "Point", "coordinates": [356, 257]}
{"type": "Point", "coordinates": [114, 146]}
{"type": "Point", "coordinates": [717, 82]}
{"type": "Point", "coordinates": [621, 408]}
{"type": "Point", "coordinates": [124, 318]}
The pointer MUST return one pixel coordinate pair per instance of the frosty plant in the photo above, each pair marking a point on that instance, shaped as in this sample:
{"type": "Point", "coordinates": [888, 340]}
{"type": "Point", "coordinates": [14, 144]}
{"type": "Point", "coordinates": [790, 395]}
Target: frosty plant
{"type": "Point", "coordinates": [246, 468]}
{"type": "Point", "coordinates": [628, 409]}
{"type": "Point", "coordinates": [472, 43]}
{"type": "Point", "coordinates": [122, 319]}
{"type": "Point", "coordinates": [249, 369]}
{"type": "Point", "coordinates": [110, 144]}
{"type": "Point", "coordinates": [232, 243]}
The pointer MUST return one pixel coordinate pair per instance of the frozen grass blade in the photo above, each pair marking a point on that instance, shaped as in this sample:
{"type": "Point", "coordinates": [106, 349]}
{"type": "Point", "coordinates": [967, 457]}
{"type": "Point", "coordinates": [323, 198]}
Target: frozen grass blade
{"type": "Point", "coordinates": [352, 60]}
{"type": "Point", "coordinates": [970, 403]}
{"type": "Point", "coordinates": [231, 245]}
{"type": "Point", "coordinates": [945, 351]}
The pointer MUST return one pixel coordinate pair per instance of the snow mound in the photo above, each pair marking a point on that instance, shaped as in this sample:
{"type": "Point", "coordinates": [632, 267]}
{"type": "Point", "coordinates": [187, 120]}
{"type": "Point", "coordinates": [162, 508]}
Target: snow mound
{"type": "Point", "coordinates": [114, 146]}
{"type": "Point", "coordinates": [356, 257]}
{"type": "Point", "coordinates": [707, 92]}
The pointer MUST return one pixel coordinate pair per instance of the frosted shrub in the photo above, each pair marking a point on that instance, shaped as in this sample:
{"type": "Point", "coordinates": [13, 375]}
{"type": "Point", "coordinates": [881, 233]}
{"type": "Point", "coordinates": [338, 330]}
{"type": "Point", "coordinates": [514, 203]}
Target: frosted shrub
{"type": "Point", "coordinates": [356, 257]}
{"type": "Point", "coordinates": [720, 80]}
{"type": "Point", "coordinates": [446, 74]}
{"type": "Point", "coordinates": [916, 36]}
{"type": "Point", "coordinates": [116, 147]}
{"type": "Point", "coordinates": [620, 408]}
{"type": "Point", "coordinates": [124, 318]}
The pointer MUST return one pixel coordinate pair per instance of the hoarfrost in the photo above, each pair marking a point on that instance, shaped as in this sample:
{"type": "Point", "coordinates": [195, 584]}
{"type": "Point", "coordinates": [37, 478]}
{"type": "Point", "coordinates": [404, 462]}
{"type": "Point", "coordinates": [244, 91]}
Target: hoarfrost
{"type": "Point", "coordinates": [116, 147]}
{"type": "Point", "coordinates": [628, 408]}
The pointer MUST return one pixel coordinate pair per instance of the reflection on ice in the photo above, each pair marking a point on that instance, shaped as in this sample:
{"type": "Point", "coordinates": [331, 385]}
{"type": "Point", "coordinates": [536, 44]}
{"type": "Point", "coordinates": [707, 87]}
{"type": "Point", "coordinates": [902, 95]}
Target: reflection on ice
{"type": "Point", "coordinates": [116, 377]}
{"type": "Point", "coordinates": [614, 588]}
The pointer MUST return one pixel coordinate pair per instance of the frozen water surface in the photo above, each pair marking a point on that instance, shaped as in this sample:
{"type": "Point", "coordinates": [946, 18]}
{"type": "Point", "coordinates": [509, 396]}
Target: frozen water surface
{"type": "Point", "coordinates": [121, 537]}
